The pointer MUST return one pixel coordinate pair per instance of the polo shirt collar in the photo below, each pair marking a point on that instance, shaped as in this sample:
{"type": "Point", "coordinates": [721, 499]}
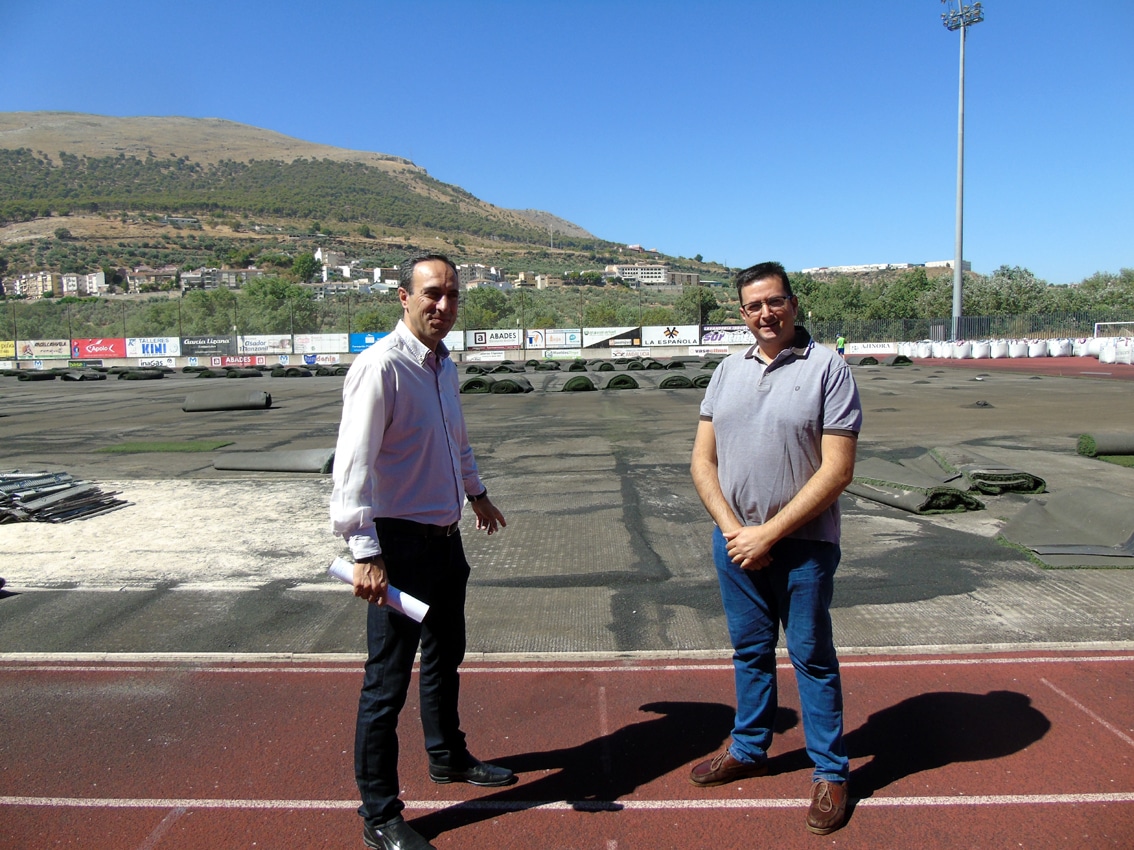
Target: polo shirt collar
{"type": "Point", "coordinates": [801, 345]}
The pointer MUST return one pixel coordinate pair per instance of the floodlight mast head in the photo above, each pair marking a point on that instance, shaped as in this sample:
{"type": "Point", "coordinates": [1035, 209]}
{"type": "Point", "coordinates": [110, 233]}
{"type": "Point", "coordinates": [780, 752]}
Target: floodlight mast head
{"type": "Point", "coordinates": [961, 16]}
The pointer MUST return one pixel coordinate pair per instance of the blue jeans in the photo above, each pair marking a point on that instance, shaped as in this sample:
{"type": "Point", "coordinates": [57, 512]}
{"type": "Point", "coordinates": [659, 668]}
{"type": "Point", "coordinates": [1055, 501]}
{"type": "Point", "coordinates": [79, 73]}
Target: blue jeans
{"type": "Point", "coordinates": [434, 570]}
{"type": "Point", "coordinates": [795, 590]}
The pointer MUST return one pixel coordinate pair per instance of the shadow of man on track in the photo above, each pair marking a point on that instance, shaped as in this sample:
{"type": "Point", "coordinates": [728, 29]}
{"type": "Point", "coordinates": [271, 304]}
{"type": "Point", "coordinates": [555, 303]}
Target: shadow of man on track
{"type": "Point", "coordinates": [593, 775]}
{"type": "Point", "coordinates": [932, 730]}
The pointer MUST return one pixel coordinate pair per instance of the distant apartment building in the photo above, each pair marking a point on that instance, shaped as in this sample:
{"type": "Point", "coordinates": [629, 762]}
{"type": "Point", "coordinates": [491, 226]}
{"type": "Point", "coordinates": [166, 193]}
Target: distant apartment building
{"type": "Point", "coordinates": [469, 272]}
{"type": "Point", "coordinates": [146, 279]}
{"type": "Point", "coordinates": [332, 288]}
{"type": "Point", "coordinates": [683, 279]}
{"type": "Point", "coordinates": [640, 274]}
{"type": "Point", "coordinates": [485, 283]}
{"type": "Point", "coordinates": [211, 278]}
{"type": "Point", "coordinates": [37, 285]}
{"type": "Point", "coordinates": [84, 285]}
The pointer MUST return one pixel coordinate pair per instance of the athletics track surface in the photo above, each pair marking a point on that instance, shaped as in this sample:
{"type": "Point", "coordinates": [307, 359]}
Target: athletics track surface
{"type": "Point", "coordinates": [1031, 749]}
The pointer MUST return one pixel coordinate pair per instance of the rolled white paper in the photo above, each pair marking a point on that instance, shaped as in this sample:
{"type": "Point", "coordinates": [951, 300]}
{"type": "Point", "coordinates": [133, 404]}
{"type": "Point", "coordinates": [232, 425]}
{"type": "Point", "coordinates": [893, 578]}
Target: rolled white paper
{"type": "Point", "coordinates": [403, 603]}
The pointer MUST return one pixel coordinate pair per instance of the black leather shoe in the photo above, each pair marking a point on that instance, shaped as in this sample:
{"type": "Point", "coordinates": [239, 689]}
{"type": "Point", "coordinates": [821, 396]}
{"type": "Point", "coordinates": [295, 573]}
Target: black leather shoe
{"type": "Point", "coordinates": [393, 835]}
{"type": "Point", "coordinates": [477, 773]}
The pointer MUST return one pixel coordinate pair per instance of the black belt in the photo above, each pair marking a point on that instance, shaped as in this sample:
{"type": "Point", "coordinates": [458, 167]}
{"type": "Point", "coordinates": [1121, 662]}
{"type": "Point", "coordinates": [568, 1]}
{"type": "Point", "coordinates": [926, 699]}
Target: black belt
{"type": "Point", "coordinates": [409, 528]}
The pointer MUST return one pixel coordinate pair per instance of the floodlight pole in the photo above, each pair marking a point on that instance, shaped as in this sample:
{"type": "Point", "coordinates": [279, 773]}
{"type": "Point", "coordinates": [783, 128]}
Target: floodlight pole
{"type": "Point", "coordinates": [960, 17]}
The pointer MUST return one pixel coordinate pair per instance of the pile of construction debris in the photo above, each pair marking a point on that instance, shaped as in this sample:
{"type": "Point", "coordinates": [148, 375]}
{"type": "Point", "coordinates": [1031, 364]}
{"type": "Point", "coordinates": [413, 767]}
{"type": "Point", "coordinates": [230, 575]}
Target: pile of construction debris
{"type": "Point", "coordinates": [52, 497]}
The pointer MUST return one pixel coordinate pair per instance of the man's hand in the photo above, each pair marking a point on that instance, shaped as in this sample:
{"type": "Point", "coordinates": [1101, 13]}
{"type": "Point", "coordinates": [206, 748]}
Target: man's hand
{"type": "Point", "coordinates": [370, 580]}
{"type": "Point", "coordinates": [749, 547]}
{"type": "Point", "coordinates": [488, 516]}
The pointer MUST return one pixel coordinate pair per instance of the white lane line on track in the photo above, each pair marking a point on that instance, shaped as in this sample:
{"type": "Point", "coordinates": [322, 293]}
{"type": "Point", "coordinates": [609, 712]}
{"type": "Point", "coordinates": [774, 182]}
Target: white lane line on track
{"type": "Point", "coordinates": [1108, 726]}
{"type": "Point", "coordinates": [562, 805]}
{"type": "Point", "coordinates": [229, 665]}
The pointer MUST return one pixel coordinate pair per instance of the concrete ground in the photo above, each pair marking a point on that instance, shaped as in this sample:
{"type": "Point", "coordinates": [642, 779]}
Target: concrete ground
{"type": "Point", "coordinates": [606, 549]}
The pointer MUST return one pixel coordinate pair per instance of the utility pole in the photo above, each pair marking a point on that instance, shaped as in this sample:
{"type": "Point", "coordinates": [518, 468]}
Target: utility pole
{"type": "Point", "coordinates": [959, 17]}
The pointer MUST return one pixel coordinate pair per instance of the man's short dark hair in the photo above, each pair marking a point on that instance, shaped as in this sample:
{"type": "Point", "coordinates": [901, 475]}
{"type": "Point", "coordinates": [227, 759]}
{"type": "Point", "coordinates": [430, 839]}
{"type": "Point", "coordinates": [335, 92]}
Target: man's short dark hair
{"type": "Point", "coordinates": [761, 271]}
{"type": "Point", "coordinates": [405, 269]}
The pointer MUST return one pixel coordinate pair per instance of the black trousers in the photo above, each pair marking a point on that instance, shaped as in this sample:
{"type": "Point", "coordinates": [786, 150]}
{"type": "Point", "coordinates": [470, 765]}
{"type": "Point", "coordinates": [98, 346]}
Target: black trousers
{"type": "Point", "coordinates": [434, 570]}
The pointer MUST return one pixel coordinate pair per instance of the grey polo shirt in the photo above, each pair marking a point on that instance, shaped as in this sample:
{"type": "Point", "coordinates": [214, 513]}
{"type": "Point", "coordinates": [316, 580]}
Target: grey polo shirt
{"type": "Point", "coordinates": [769, 420]}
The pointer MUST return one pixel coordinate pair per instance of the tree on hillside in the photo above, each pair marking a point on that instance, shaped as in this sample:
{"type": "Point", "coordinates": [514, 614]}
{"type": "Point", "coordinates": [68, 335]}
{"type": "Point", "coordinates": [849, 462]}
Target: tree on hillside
{"type": "Point", "coordinates": [694, 305]}
{"type": "Point", "coordinates": [306, 267]}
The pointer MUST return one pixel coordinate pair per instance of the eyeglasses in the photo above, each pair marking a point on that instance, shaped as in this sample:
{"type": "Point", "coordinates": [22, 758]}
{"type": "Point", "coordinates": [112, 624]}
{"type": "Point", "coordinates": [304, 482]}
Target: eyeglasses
{"type": "Point", "coordinates": [776, 302]}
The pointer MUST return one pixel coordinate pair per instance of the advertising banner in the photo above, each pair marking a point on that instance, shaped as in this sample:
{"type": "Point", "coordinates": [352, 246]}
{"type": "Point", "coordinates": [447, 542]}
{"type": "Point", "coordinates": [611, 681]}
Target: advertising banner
{"type": "Point", "coordinates": [44, 349]}
{"type": "Point", "coordinates": [96, 349]}
{"type": "Point", "coordinates": [611, 337]}
{"type": "Point", "coordinates": [207, 346]}
{"type": "Point", "coordinates": [263, 344]}
{"type": "Point", "coordinates": [555, 338]}
{"type": "Point", "coordinates": [315, 359]}
{"type": "Point", "coordinates": [703, 350]}
{"type": "Point", "coordinates": [619, 353]}
{"type": "Point", "coordinates": [157, 362]}
{"type": "Point", "coordinates": [872, 348]}
{"type": "Point", "coordinates": [671, 335]}
{"type": "Point", "coordinates": [239, 361]}
{"type": "Point", "coordinates": [562, 353]}
{"type": "Point", "coordinates": [507, 338]}
{"type": "Point", "coordinates": [455, 341]}
{"type": "Point", "coordinates": [361, 342]}
{"type": "Point", "coordinates": [484, 356]}
{"type": "Point", "coordinates": [320, 343]}
{"type": "Point", "coordinates": [726, 335]}
{"type": "Point", "coordinates": [153, 346]}
{"type": "Point", "coordinates": [7, 349]}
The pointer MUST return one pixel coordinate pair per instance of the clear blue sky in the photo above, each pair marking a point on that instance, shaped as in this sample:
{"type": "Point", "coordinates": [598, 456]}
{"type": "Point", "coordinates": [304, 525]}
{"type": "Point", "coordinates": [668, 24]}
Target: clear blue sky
{"type": "Point", "coordinates": [815, 133]}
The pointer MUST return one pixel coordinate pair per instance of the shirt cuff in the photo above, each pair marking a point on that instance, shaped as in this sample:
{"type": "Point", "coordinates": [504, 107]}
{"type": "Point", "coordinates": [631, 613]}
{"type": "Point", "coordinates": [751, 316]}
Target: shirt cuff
{"type": "Point", "coordinates": [363, 546]}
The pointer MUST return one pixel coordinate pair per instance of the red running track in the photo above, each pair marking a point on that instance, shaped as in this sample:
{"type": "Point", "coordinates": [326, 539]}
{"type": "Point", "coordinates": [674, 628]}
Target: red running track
{"type": "Point", "coordinates": [998, 750]}
{"type": "Point", "coordinates": [1059, 367]}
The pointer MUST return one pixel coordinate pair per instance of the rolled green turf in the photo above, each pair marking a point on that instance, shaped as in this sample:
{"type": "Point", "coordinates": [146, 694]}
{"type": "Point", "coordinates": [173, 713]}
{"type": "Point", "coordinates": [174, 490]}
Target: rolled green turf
{"type": "Point", "coordinates": [675, 382]}
{"type": "Point", "coordinates": [579, 383]}
{"type": "Point", "coordinates": [511, 385]}
{"type": "Point", "coordinates": [621, 381]}
{"type": "Point", "coordinates": [1109, 443]}
{"type": "Point", "coordinates": [477, 385]}
{"type": "Point", "coordinates": [227, 399]}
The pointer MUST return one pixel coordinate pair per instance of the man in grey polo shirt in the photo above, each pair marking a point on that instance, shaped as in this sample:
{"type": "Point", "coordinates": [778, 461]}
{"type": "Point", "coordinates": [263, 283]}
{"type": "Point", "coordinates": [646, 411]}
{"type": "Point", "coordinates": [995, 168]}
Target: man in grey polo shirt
{"type": "Point", "coordinates": [774, 449]}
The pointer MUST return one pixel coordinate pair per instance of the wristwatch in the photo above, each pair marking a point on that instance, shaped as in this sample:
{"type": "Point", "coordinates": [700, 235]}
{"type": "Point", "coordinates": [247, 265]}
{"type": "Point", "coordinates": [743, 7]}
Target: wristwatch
{"type": "Point", "coordinates": [483, 495]}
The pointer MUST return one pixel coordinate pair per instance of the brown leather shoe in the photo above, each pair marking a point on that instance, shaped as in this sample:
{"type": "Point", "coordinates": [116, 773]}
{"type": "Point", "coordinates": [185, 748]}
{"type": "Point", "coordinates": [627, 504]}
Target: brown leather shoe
{"type": "Point", "coordinates": [828, 808]}
{"type": "Point", "coordinates": [724, 768]}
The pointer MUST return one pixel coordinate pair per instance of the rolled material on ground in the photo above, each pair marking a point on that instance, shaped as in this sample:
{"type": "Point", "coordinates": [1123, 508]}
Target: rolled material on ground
{"type": "Point", "coordinates": [547, 366]}
{"type": "Point", "coordinates": [244, 373]}
{"type": "Point", "coordinates": [35, 376]}
{"type": "Point", "coordinates": [477, 385]}
{"type": "Point", "coordinates": [896, 360]}
{"type": "Point", "coordinates": [701, 381]}
{"type": "Point", "coordinates": [604, 366]}
{"type": "Point", "coordinates": [511, 385]}
{"type": "Point", "coordinates": [141, 375]}
{"type": "Point", "coordinates": [82, 375]}
{"type": "Point", "coordinates": [579, 384]}
{"type": "Point", "coordinates": [507, 367]}
{"type": "Point", "coordinates": [674, 363]}
{"type": "Point", "coordinates": [296, 372]}
{"type": "Point", "coordinates": [977, 473]}
{"type": "Point", "coordinates": [227, 399]}
{"type": "Point", "coordinates": [577, 366]}
{"type": "Point", "coordinates": [1080, 527]}
{"type": "Point", "coordinates": [675, 382]}
{"type": "Point", "coordinates": [286, 460]}
{"type": "Point", "coordinates": [635, 365]}
{"type": "Point", "coordinates": [901, 487]}
{"type": "Point", "coordinates": [212, 373]}
{"type": "Point", "coordinates": [1093, 445]}
{"type": "Point", "coordinates": [862, 360]}
{"type": "Point", "coordinates": [621, 381]}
